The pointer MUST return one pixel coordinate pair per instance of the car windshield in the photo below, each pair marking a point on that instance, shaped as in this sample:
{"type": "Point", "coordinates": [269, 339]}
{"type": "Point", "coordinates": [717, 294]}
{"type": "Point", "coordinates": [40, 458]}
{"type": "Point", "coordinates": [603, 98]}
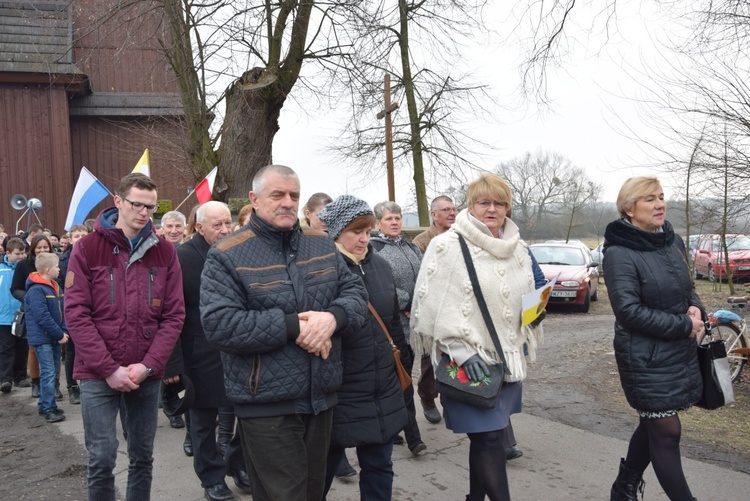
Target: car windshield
{"type": "Point", "coordinates": [558, 255]}
{"type": "Point", "coordinates": [733, 243]}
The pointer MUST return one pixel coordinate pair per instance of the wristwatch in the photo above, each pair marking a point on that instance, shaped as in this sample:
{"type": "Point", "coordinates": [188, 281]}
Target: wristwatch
{"type": "Point", "coordinates": [149, 371]}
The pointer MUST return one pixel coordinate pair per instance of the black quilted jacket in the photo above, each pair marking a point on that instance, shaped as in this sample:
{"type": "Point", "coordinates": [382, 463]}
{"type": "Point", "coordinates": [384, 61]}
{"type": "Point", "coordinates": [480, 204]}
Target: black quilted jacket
{"type": "Point", "coordinates": [371, 405]}
{"type": "Point", "coordinates": [650, 289]}
{"type": "Point", "coordinates": [254, 283]}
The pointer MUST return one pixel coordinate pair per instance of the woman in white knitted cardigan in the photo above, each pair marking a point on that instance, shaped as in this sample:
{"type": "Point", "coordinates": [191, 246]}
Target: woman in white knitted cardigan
{"type": "Point", "coordinates": [447, 319]}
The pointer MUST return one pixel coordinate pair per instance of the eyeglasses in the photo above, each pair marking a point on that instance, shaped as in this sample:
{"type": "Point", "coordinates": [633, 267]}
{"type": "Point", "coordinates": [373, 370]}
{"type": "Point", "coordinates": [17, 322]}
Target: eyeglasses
{"type": "Point", "coordinates": [138, 207]}
{"type": "Point", "coordinates": [447, 210]}
{"type": "Point", "coordinates": [485, 204]}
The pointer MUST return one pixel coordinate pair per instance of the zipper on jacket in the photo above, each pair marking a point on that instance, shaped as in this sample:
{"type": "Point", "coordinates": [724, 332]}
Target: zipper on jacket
{"type": "Point", "coordinates": [254, 379]}
{"type": "Point", "coordinates": [361, 269]}
{"type": "Point", "coordinates": [111, 285]}
{"type": "Point", "coordinates": [151, 274]}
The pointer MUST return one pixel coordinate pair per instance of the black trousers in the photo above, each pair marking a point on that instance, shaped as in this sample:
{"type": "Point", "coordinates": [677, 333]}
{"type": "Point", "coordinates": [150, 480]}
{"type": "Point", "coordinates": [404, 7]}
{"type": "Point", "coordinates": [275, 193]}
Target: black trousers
{"type": "Point", "coordinates": [426, 385]}
{"type": "Point", "coordinates": [70, 361]}
{"type": "Point", "coordinates": [13, 355]}
{"type": "Point", "coordinates": [277, 449]}
{"type": "Point", "coordinates": [209, 466]}
{"type": "Point", "coordinates": [411, 431]}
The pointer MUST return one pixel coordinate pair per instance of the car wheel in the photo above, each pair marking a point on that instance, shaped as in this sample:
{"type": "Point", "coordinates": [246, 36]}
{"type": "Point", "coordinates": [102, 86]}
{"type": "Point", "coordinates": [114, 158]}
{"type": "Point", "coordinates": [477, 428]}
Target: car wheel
{"type": "Point", "coordinates": [696, 275]}
{"type": "Point", "coordinates": [584, 308]}
{"type": "Point", "coordinates": [595, 297]}
{"type": "Point", "coordinates": [711, 274]}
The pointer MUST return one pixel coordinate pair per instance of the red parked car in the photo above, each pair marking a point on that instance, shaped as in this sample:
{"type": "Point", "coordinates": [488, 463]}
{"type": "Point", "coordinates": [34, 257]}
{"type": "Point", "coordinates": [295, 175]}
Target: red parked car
{"type": "Point", "coordinates": [709, 259]}
{"type": "Point", "coordinates": [578, 282]}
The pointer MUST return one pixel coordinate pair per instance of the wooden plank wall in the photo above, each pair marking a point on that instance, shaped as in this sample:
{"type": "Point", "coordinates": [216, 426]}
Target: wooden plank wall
{"type": "Point", "coordinates": [123, 53]}
{"type": "Point", "coordinates": [110, 150]}
{"type": "Point", "coordinates": [35, 154]}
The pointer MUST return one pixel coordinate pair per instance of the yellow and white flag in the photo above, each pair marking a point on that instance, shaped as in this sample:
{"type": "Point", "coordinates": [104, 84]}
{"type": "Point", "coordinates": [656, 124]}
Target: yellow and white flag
{"type": "Point", "coordinates": [143, 165]}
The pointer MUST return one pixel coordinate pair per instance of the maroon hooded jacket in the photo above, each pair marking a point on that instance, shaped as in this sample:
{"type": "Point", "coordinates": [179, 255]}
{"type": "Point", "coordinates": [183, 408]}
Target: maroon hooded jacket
{"type": "Point", "coordinates": [124, 303]}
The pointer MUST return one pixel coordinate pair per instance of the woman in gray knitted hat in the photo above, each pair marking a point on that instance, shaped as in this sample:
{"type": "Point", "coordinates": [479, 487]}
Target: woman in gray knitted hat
{"type": "Point", "coordinates": [370, 411]}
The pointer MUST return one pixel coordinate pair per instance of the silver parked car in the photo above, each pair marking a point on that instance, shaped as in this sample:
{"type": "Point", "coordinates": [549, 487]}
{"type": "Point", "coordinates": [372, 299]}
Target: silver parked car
{"type": "Point", "coordinates": [598, 255]}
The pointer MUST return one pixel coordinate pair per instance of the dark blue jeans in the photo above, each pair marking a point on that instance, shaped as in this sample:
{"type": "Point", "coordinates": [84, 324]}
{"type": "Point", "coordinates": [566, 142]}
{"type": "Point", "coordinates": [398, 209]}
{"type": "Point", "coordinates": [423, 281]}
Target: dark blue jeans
{"type": "Point", "coordinates": [49, 356]}
{"type": "Point", "coordinates": [376, 470]}
{"type": "Point", "coordinates": [99, 407]}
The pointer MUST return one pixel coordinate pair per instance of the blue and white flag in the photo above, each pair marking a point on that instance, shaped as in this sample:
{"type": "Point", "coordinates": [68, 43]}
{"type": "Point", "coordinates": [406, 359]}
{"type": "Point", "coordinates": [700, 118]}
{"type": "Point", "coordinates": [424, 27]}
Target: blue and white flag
{"type": "Point", "coordinates": [88, 193]}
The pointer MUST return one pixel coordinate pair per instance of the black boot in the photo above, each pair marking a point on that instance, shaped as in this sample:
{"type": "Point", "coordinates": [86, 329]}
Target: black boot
{"type": "Point", "coordinates": [74, 395]}
{"type": "Point", "coordinates": [627, 485]}
{"type": "Point", "coordinates": [58, 393]}
{"type": "Point", "coordinates": [187, 444]}
{"type": "Point", "coordinates": [35, 387]}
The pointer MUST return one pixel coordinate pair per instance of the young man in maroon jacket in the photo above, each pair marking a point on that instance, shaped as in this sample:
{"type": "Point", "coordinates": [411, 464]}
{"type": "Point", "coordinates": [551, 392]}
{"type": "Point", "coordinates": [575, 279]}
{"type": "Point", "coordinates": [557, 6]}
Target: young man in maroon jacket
{"type": "Point", "coordinates": [123, 294]}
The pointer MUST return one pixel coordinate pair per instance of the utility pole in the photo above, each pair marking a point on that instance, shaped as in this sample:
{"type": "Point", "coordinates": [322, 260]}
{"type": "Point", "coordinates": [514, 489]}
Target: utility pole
{"type": "Point", "coordinates": [386, 113]}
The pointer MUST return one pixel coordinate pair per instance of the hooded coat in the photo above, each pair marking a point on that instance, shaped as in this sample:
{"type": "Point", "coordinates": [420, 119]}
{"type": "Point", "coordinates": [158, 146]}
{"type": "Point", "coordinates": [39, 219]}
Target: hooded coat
{"type": "Point", "coordinates": [371, 404]}
{"type": "Point", "coordinates": [650, 289]}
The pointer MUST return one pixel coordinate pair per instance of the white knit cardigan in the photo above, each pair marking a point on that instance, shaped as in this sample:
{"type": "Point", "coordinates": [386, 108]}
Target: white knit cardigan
{"type": "Point", "coordinates": [444, 308]}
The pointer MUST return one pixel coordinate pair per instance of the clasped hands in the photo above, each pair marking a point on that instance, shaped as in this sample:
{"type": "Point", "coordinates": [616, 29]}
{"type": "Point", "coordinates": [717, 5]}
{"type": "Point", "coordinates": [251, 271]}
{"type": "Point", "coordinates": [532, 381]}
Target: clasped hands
{"type": "Point", "coordinates": [315, 331]}
{"type": "Point", "coordinates": [128, 378]}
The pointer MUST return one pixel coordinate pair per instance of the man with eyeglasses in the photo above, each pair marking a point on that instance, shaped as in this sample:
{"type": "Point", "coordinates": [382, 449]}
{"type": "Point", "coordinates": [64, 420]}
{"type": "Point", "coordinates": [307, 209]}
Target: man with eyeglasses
{"type": "Point", "coordinates": [123, 296]}
{"type": "Point", "coordinates": [443, 212]}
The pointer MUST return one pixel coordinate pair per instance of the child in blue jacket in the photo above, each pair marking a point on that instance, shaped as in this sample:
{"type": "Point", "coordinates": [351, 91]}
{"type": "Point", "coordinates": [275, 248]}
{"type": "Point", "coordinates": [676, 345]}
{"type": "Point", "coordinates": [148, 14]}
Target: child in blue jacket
{"type": "Point", "coordinates": [45, 328]}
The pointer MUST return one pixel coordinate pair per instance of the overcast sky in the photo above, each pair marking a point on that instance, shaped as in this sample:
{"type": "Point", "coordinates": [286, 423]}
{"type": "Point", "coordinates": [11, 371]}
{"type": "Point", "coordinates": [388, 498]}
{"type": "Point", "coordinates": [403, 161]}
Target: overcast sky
{"type": "Point", "coordinates": [591, 105]}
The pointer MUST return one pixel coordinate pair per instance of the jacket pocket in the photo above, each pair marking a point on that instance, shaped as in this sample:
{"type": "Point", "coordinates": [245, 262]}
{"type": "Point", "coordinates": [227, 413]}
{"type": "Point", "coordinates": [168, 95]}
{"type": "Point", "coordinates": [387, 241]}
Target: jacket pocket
{"type": "Point", "coordinates": [253, 381]}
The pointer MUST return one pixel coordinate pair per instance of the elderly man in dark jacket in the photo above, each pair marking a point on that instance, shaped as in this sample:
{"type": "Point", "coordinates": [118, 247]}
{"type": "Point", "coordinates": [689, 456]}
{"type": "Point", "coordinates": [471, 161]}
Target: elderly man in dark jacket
{"type": "Point", "coordinates": [274, 299]}
{"type": "Point", "coordinates": [201, 362]}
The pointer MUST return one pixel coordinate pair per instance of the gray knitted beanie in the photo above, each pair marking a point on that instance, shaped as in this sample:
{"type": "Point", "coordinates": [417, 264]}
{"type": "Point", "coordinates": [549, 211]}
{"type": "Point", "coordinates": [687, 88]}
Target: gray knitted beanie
{"type": "Point", "coordinates": [342, 211]}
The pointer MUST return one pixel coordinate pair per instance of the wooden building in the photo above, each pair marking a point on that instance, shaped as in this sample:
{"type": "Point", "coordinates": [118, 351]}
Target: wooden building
{"type": "Point", "coordinates": [82, 84]}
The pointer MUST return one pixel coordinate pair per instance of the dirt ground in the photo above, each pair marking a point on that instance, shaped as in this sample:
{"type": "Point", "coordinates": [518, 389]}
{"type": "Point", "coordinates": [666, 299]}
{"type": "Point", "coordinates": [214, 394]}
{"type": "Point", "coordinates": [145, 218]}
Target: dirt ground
{"type": "Point", "coordinates": [574, 382]}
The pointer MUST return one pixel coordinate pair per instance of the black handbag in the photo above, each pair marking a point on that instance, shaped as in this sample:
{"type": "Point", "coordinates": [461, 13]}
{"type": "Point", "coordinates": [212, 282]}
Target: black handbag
{"type": "Point", "coordinates": [715, 373]}
{"type": "Point", "coordinates": [18, 327]}
{"type": "Point", "coordinates": [452, 380]}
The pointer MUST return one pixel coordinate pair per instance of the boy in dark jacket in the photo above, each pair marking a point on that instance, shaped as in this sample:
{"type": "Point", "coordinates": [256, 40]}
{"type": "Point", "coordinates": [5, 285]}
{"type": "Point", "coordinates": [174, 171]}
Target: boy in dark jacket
{"type": "Point", "coordinates": [45, 328]}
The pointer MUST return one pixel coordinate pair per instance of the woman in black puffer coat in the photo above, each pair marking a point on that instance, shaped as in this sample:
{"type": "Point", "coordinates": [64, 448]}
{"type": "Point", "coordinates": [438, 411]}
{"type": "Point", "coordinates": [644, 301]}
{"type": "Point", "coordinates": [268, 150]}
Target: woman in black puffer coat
{"type": "Point", "coordinates": [370, 409]}
{"type": "Point", "coordinates": [658, 319]}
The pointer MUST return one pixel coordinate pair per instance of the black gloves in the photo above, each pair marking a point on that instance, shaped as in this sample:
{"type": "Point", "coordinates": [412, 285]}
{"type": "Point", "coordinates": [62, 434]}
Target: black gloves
{"type": "Point", "coordinates": [476, 368]}
{"type": "Point", "coordinates": [538, 320]}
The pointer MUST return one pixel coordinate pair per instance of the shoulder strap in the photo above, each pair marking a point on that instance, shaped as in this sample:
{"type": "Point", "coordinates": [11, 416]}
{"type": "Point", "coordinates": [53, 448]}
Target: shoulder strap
{"type": "Point", "coordinates": [480, 299]}
{"type": "Point", "coordinates": [380, 322]}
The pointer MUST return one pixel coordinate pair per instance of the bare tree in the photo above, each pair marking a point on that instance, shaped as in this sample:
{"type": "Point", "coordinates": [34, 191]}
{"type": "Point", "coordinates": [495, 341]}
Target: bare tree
{"type": "Point", "coordinates": [418, 43]}
{"type": "Point", "coordinates": [536, 182]}
{"type": "Point", "coordinates": [578, 192]}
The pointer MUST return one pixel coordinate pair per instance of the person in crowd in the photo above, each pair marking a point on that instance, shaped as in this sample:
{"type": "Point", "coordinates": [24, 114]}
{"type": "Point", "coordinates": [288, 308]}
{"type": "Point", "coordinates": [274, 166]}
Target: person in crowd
{"type": "Point", "coordinates": [24, 268]}
{"type": "Point", "coordinates": [77, 231]}
{"type": "Point", "coordinates": [34, 230]}
{"type": "Point", "coordinates": [311, 209]}
{"type": "Point", "coordinates": [190, 230]}
{"type": "Point", "coordinates": [173, 223]}
{"type": "Point", "coordinates": [443, 212]}
{"type": "Point", "coordinates": [64, 244]}
{"type": "Point", "coordinates": [447, 319]}
{"type": "Point", "coordinates": [274, 300]}
{"type": "Point", "coordinates": [45, 329]}
{"type": "Point", "coordinates": [243, 217]}
{"type": "Point", "coordinates": [124, 309]}
{"type": "Point", "coordinates": [90, 224]}
{"type": "Point", "coordinates": [54, 238]}
{"type": "Point", "coordinates": [658, 318]}
{"type": "Point", "coordinates": [159, 231]}
{"type": "Point", "coordinates": [404, 259]}
{"type": "Point", "coordinates": [201, 362]}
{"type": "Point", "coordinates": [370, 410]}
{"type": "Point", "coordinates": [13, 350]}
